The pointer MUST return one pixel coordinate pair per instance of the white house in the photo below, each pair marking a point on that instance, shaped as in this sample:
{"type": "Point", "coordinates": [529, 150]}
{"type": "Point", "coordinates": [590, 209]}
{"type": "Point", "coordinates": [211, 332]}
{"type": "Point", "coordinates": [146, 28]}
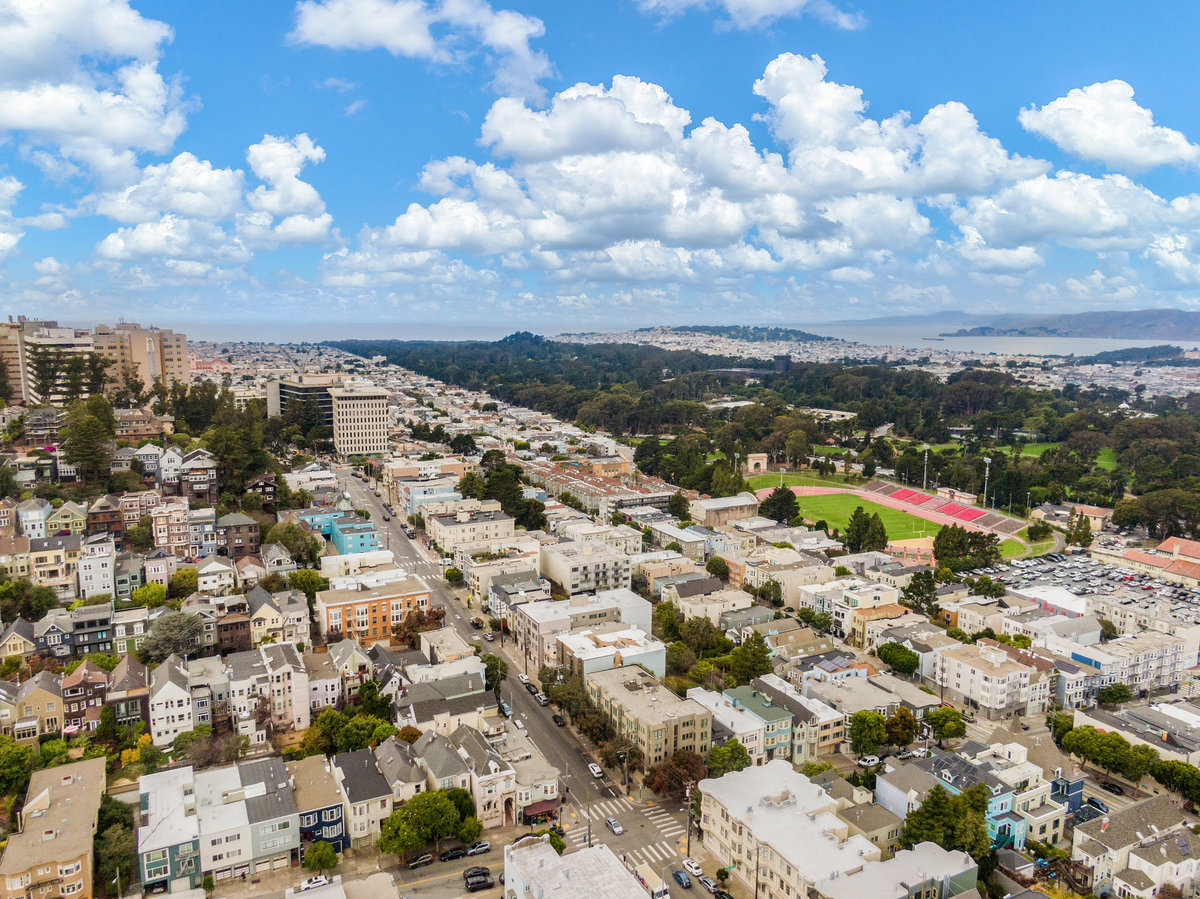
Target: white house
{"type": "Point", "coordinates": [97, 566]}
{"type": "Point", "coordinates": [170, 702]}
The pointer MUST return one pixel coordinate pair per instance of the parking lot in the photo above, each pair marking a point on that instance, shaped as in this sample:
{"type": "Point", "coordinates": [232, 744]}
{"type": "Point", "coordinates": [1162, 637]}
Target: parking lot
{"type": "Point", "coordinates": [1083, 576]}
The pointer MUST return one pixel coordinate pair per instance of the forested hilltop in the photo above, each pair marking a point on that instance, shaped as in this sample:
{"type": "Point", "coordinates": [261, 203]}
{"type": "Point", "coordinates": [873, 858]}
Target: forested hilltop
{"type": "Point", "coordinates": [1044, 445]}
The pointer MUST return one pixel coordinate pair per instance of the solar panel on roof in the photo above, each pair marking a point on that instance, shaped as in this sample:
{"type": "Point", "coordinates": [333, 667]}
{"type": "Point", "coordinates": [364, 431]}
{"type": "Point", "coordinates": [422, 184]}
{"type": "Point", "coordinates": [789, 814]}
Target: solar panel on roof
{"type": "Point", "coordinates": [1184, 847]}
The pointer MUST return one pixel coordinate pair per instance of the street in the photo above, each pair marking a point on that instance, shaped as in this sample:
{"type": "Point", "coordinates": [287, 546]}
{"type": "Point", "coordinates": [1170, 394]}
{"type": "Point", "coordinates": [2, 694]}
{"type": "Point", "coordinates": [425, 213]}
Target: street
{"type": "Point", "coordinates": [654, 832]}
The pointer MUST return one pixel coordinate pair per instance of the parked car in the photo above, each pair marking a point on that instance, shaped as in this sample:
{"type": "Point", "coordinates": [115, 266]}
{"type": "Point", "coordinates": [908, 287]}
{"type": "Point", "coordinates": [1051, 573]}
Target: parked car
{"type": "Point", "coordinates": [868, 761]}
{"type": "Point", "coordinates": [692, 868]}
{"type": "Point", "coordinates": [559, 720]}
{"type": "Point", "coordinates": [595, 770]}
{"type": "Point", "coordinates": [721, 894]}
{"type": "Point", "coordinates": [542, 698]}
{"type": "Point", "coordinates": [532, 688]}
{"type": "Point", "coordinates": [477, 871]}
{"type": "Point", "coordinates": [454, 852]}
{"type": "Point", "coordinates": [523, 678]}
{"type": "Point", "coordinates": [505, 709]}
{"type": "Point", "coordinates": [490, 637]}
{"type": "Point", "coordinates": [1114, 788]}
{"type": "Point", "coordinates": [614, 825]}
{"type": "Point", "coordinates": [420, 861]}
{"type": "Point", "coordinates": [709, 884]}
{"type": "Point", "coordinates": [313, 882]}
{"type": "Point", "coordinates": [682, 879]}
{"type": "Point", "coordinates": [479, 847]}
{"type": "Point", "coordinates": [475, 884]}
{"type": "Point", "coordinates": [1098, 804]}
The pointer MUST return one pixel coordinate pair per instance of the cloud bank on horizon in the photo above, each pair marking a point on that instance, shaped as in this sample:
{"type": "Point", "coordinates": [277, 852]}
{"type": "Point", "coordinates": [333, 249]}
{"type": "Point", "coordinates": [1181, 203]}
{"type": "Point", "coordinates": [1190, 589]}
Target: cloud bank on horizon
{"type": "Point", "coordinates": [442, 160]}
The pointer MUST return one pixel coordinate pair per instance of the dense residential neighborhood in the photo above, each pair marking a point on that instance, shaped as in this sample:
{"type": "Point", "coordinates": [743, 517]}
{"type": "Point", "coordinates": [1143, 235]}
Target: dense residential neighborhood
{"type": "Point", "coordinates": [349, 618]}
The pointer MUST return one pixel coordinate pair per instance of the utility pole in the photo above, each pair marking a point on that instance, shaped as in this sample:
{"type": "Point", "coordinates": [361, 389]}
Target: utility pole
{"type": "Point", "coordinates": [925, 476]}
{"type": "Point", "coordinates": [687, 798]}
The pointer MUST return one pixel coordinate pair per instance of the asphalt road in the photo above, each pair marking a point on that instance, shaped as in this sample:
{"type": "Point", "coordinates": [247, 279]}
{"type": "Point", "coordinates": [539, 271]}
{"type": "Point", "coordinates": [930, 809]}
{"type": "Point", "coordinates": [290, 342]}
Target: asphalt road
{"type": "Point", "coordinates": [654, 833]}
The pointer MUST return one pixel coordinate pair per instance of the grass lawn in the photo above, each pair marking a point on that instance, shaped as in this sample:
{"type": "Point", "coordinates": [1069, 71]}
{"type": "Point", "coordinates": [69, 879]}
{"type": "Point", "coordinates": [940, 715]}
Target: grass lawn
{"type": "Point", "coordinates": [1010, 549]}
{"type": "Point", "coordinates": [1036, 549]}
{"type": "Point", "coordinates": [836, 509]}
{"type": "Point", "coordinates": [1107, 459]}
{"type": "Point", "coordinates": [796, 479]}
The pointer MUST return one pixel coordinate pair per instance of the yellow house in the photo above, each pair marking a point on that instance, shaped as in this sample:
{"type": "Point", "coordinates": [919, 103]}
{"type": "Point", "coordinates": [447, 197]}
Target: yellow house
{"type": "Point", "coordinates": [17, 640]}
{"type": "Point", "coordinates": [14, 556]}
{"type": "Point", "coordinates": [53, 562]}
{"type": "Point", "coordinates": [39, 707]}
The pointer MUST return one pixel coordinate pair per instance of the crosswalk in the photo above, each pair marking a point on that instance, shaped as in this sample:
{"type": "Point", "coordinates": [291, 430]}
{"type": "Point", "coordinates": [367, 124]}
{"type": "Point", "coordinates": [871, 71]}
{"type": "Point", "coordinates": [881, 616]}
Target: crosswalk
{"type": "Point", "coordinates": [656, 853]}
{"type": "Point", "coordinates": [608, 809]}
{"type": "Point", "coordinates": [667, 825]}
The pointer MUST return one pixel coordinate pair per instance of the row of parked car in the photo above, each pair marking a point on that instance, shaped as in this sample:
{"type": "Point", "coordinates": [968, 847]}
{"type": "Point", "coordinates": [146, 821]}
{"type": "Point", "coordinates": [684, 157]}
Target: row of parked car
{"type": "Point", "coordinates": [479, 847]}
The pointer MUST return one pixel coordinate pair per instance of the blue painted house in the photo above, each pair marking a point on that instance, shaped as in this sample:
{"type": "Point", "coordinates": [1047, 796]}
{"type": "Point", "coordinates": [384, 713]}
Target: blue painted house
{"type": "Point", "coordinates": [319, 803]}
{"type": "Point", "coordinates": [354, 535]}
{"type": "Point", "coordinates": [1006, 828]}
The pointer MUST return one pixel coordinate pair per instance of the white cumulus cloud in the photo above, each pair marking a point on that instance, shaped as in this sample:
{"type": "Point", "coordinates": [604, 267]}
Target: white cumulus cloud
{"type": "Point", "coordinates": [1102, 122]}
{"type": "Point", "coordinates": [448, 32]}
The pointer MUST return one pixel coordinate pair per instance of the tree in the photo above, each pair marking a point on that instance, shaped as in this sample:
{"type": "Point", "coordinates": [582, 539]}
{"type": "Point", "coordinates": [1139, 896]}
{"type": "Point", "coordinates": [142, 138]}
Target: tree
{"type": "Point", "coordinates": [901, 727]}
{"type": "Point", "coordinates": [1114, 694]}
{"type": "Point", "coordinates": [308, 582]}
{"type": "Point", "coordinates": [752, 659]}
{"type": "Point", "coordinates": [427, 817]}
{"type": "Point", "coordinates": [462, 801]}
{"type": "Point", "coordinates": [899, 657]}
{"type": "Point", "coordinates": [453, 576]}
{"type": "Point", "coordinates": [115, 852]}
{"type": "Point", "coordinates": [781, 505]}
{"type": "Point", "coordinates": [771, 594]}
{"type": "Point", "coordinates": [174, 632]}
{"type": "Point", "coordinates": [729, 756]}
{"type": "Point", "coordinates": [920, 594]}
{"type": "Point", "coordinates": [85, 444]}
{"type": "Point", "coordinates": [320, 857]}
{"type": "Point", "coordinates": [151, 596]}
{"type": "Point", "coordinates": [1108, 630]}
{"type": "Point", "coordinates": [208, 884]}
{"type": "Point", "coordinates": [183, 583]}
{"type": "Point", "coordinates": [864, 532]}
{"type": "Point", "coordinates": [868, 731]}
{"type": "Point", "coordinates": [495, 671]}
{"type": "Point", "coordinates": [718, 567]}
{"type": "Point", "coordinates": [946, 723]}
{"type": "Point", "coordinates": [299, 541]}
{"type": "Point", "coordinates": [372, 702]}
{"type": "Point", "coordinates": [678, 506]}
{"type": "Point", "coordinates": [140, 537]}
{"type": "Point", "coordinates": [470, 829]}
{"type": "Point", "coordinates": [671, 776]}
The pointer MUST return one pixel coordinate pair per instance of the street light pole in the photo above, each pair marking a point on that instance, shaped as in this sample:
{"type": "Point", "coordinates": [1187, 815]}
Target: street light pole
{"type": "Point", "coordinates": [987, 471]}
{"type": "Point", "coordinates": [925, 476]}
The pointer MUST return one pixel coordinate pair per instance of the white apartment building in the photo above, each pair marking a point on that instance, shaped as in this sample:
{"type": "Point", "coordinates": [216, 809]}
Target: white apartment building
{"type": "Point", "coordinates": [1131, 616]}
{"type": "Point", "coordinates": [536, 626]}
{"type": "Point", "coordinates": [584, 567]}
{"type": "Point", "coordinates": [170, 702]}
{"type": "Point", "coordinates": [451, 531]}
{"type": "Point", "coordinates": [97, 566]}
{"type": "Point", "coordinates": [747, 729]}
{"type": "Point", "coordinates": [360, 420]}
{"type": "Point", "coordinates": [1149, 660]}
{"type": "Point", "coordinates": [985, 678]}
{"type": "Point", "coordinates": [765, 823]}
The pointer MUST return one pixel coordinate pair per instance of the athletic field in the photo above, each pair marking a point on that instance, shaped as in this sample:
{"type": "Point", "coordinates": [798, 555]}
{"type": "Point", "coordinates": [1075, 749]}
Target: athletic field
{"type": "Point", "coordinates": [836, 509]}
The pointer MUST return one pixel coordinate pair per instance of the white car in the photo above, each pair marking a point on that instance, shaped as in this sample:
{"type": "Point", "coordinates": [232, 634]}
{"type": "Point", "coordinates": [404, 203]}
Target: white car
{"type": "Point", "coordinates": [614, 825]}
{"type": "Point", "coordinates": [313, 882]}
{"type": "Point", "coordinates": [523, 678]}
{"type": "Point", "coordinates": [692, 868]}
{"type": "Point", "coordinates": [868, 761]}
{"type": "Point", "coordinates": [595, 770]}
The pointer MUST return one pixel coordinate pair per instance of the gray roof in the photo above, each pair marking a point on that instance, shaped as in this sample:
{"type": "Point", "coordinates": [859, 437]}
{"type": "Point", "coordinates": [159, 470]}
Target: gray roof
{"type": "Point", "coordinates": [910, 777]}
{"type": "Point", "coordinates": [698, 587]}
{"type": "Point", "coordinates": [235, 519]}
{"type": "Point", "coordinates": [170, 671]}
{"type": "Point", "coordinates": [360, 778]}
{"type": "Point", "coordinates": [398, 762]}
{"type": "Point", "coordinates": [278, 800]}
{"type": "Point", "coordinates": [1135, 823]}
{"type": "Point", "coordinates": [441, 758]}
{"type": "Point", "coordinates": [961, 774]}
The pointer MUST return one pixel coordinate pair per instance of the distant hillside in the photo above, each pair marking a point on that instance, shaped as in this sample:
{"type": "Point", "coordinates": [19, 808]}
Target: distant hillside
{"type": "Point", "coordinates": [1136, 324]}
{"type": "Point", "coordinates": [751, 333]}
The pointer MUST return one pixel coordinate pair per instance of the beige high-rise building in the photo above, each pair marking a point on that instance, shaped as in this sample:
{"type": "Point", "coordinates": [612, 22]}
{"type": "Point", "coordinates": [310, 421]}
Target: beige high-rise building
{"type": "Point", "coordinates": [360, 420]}
{"type": "Point", "coordinates": [153, 353]}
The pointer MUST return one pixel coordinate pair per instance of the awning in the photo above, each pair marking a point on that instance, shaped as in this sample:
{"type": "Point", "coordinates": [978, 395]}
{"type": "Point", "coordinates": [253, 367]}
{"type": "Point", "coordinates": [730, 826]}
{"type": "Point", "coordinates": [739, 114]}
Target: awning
{"type": "Point", "coordinates": [540, 808]}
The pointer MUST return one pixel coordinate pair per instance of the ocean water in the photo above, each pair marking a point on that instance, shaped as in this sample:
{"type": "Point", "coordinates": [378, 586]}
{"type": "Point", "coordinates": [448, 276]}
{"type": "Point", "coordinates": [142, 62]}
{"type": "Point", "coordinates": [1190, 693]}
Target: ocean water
{"type": "Point", "coordinates": [910, 335]}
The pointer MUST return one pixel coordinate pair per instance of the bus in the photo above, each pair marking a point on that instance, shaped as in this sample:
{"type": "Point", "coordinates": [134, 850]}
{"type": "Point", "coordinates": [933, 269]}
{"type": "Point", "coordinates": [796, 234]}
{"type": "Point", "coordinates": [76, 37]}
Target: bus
{"type": "Point", "coordinates": [653, 883]}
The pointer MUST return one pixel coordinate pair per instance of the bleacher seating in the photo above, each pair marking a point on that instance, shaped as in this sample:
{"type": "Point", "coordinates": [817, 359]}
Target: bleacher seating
{"type": "Point", "coordinates": [951, 509]}
{"type": "Point", "coordinates": [877, 486]}
{"type": "Point", "coordinates": [969, 514]}
{"type": "Point", "coordinates": [918, 499]}
{"type": "Point", "coordinates": [936, 504]}
{"type": "Point", "coordinates": [902, 494]}
{"type": "Point", "coordinates": [990, 520]}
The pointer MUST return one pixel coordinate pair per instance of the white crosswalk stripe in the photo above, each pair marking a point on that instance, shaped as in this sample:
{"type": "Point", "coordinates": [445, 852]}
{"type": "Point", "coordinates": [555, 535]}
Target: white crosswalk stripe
{"type": "Point", "coordinates": [655, 853]}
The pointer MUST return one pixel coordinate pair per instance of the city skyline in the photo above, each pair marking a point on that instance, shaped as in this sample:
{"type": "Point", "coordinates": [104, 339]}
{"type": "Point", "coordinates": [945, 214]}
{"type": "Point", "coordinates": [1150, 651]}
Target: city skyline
{"type": "Point", "coordinates": [464, 169]}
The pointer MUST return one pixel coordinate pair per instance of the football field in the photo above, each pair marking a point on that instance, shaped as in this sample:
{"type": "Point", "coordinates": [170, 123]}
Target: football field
{"type": "Point", "coordinates": [836, 509]}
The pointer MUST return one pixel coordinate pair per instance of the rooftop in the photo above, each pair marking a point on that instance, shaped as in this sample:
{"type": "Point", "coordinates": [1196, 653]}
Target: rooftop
{"type": "Point", "coordinates": [898, 877]}
{"type": "Point", "coordinates": [59, 817]}
{"type": "Point", "coordinates": [585, 872]}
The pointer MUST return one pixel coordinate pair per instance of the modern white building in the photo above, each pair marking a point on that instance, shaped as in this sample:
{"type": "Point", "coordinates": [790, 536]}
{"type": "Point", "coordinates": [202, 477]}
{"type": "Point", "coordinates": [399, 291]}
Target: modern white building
{"type": "Point", "coordinates": [734, 722]}
{"type": "Point", "coordinates": [97, 566]}
{"type": "Point", "coordinates": [985, 678]}
{"type": "Point", "coordinates": [584, 567]}
{"type": "Point", "coordinates": [171, 712]}
{"type": "Point", "coordinates": [533, 869]}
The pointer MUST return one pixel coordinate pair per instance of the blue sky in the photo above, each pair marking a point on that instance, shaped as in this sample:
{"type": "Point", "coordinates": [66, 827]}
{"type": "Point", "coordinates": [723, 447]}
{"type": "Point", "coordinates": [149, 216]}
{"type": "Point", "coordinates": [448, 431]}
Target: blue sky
{"type": "Point", "coordinates": [459, 167]}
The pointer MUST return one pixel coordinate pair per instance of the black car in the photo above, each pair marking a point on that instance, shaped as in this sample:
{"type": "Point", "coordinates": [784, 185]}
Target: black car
{"type": "Point", "coordinates": [558, 719]}
{"type": "Point", "coordinates": [1115, 789]}
{"type": "Point", "coordinates": [477, 871]}
{"type": "Point", "coordinates": [532, 688]}
{"type": "Point", "coordinates": [452, 853]}
{"type": "Point", "coordinates": [421, 861]}
{"type": "Point", "coordinates": [485, 882]}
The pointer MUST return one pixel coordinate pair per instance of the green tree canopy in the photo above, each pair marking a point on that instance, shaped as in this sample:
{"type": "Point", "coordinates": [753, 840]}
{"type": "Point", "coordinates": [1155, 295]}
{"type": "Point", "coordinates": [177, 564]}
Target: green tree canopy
{"type": "Point", "coordinates": [946, 723]}
{"type": "Point", "coordinates": [752, 659]}
{"type": "Point", "coordinates": [781, 505]}
{"type": "Point", "coordinates": [899, 657]}
{"type": "Point", "coordinates": [320, 857]}
{"type": "Point", "coordinates": [868, 731]}
{"type": "Point", "coordinates": [729, 756]}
